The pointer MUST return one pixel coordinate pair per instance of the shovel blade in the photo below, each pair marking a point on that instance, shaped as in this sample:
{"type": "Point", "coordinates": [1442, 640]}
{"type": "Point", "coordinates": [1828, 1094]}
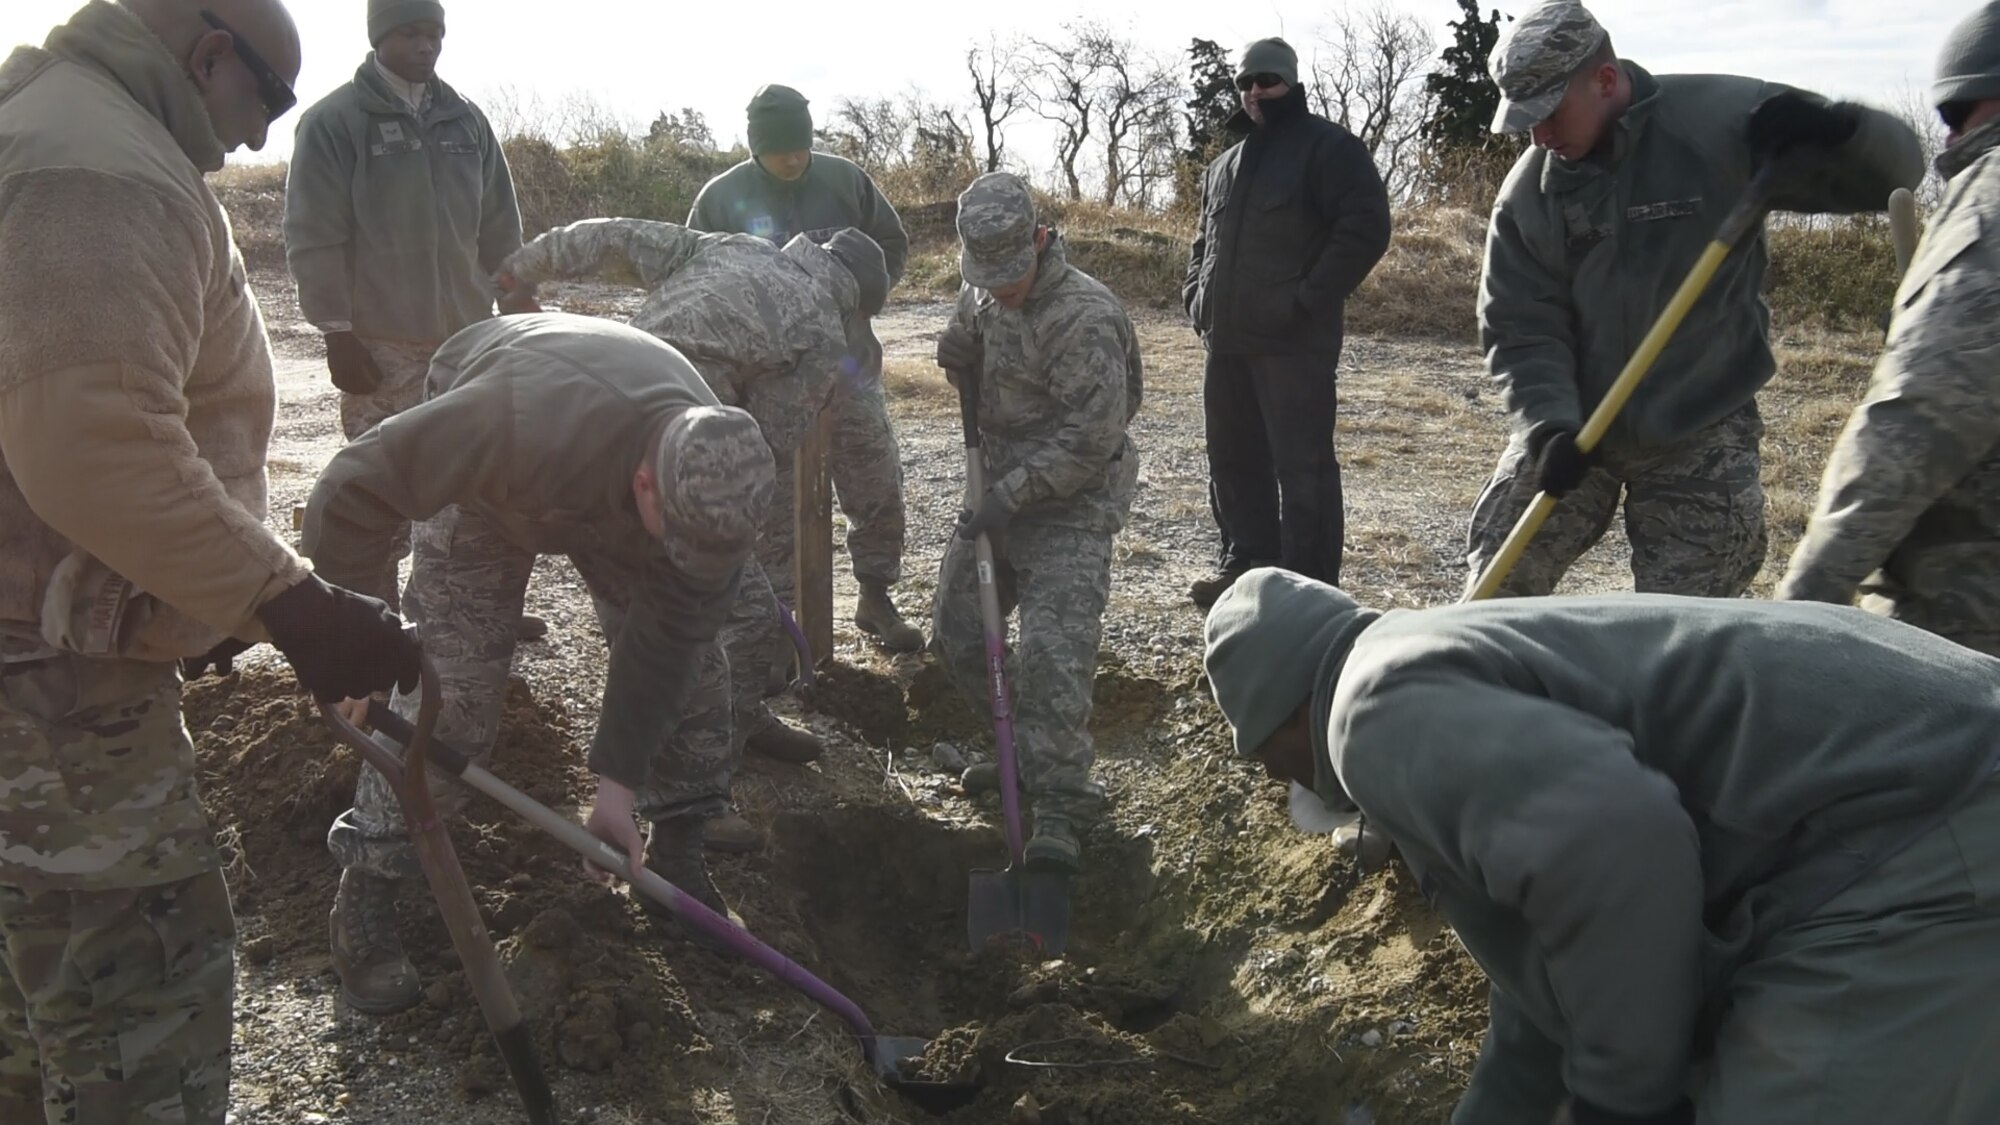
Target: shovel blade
{"type": "Point", "coordinates": [1019, 905]}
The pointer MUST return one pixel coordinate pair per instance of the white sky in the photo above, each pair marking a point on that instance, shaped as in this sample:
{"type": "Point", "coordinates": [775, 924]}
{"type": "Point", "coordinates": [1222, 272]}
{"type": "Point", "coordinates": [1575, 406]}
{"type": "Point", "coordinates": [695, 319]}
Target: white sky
{"type": "Point", "coordinates": [636, 57]}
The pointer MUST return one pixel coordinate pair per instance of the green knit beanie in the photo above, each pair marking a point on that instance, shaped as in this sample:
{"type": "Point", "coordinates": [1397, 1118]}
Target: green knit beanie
{"type": "Point", "coordinates": [385, 16]}
{"type": "Point", "coordinates": [780, 121]}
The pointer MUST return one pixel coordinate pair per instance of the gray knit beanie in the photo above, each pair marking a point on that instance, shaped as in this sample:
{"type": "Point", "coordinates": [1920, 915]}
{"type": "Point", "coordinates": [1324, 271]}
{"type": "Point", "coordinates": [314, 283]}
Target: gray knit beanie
{"type": "Point", "coordinates": [1968, 66]}
{"type": "Point", "coordinates": [385, 16]}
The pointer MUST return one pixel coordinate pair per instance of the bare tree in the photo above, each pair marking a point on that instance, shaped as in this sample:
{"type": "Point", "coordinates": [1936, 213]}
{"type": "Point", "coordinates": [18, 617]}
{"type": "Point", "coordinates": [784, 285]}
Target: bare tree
{"type": "Point", "coordinates": [1136, 95]}
{"type": "Point", "coordinates": [998, 92]}
{"type": "Point", "coordinates": [1064, 91]}
{"type": "Point", "coordinates": [1913, 105]}
{"type": "Point", "coordinates": [1368, 74]}
{"type": "Point", "coordinates": [872, 132]}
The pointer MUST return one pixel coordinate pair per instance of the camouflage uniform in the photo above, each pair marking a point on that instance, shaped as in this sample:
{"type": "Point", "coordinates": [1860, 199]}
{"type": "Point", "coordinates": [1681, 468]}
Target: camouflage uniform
{"type": "Point", "coordinates": [766, 328]}
{"type": "Point", "coordinates": [1580, 258]}
{"type": "Point", "coordinates": [106, 858]}
{"type": "Point", "coordinates": [1909, 507]}
{"type": "Point", "coordinates": [865, 461]}
{"type": "Point", "coordinates": [1694, 513]}
{"type": "Point", "coordinates": [1060, 380]}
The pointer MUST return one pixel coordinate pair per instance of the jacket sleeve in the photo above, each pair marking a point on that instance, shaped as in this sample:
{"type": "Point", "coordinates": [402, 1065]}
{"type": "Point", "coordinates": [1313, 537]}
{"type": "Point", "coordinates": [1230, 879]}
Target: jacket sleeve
{"type": "Point", "coordinates": [102, 307]}
{"type": "Point", "coordinates": [1517, 1079]}
{"type": "Point", "coordinates": [1525, 328]}
{"type": "Point", "coordinates": [1541, 815]}
{"type": "Point", "coordinates": [708, 213]}
{"type": "Point", "coordinates": [1931, 416]}
{"type": "Point", "coordinates": [500, 211]}
{"type": "Point", "coordinates": [319, 221]}
{"type": "Point", "coordinates": [1197, 252]}
{"type": "Point", "coordinates": [454, 449]}
{"type": "Point", "coordinates": [655, 667]}
{"type": "Point", "coordinates": [1347, 191]}
{"type": "Point", "coordinates": [880, 222]}
{"type": "Point", "coordinates": [1883, 155]}
{"type": "Point", "coordinates": [635, 252]}
{"type": "Point", "coordinates": [1088, 364]}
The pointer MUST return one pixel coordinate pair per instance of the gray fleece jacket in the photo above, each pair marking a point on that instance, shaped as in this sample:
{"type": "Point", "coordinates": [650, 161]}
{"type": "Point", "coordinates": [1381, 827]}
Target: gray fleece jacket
{"type": "Point", "coordinates": [1614, 799]}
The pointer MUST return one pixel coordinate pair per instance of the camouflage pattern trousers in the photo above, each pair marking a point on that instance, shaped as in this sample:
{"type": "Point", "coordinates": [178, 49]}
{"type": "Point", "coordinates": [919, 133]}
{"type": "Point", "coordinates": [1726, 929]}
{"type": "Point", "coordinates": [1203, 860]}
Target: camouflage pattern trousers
{"type": "Point", "coordinates": [1059, 579]}
{"type": "Point", "coordinates": [1694, 514]}
{"type": "Point", "coordinates": [117, 943]}
{"type": "Point", "coordinates": [466, 587]}
{"type": "Point", "coordinates": [405, 367]}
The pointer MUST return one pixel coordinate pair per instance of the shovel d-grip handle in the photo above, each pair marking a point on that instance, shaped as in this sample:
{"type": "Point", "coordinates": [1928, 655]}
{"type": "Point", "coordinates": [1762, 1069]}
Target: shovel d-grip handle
{"type": "Point", "coordinates": [406, 776]}
{"type": "Point", "coordinates": [1740, 220]}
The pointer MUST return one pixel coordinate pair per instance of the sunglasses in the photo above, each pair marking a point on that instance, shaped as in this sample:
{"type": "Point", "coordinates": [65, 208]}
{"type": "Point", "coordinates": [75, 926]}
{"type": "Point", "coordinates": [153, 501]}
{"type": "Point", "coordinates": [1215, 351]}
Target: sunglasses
{"type": "Point", "coordinates": [273, 91]}
{"type": "Point", "coordinates": [1261, 81]}
{"type": "Point", "coordinates": [1956, 114]}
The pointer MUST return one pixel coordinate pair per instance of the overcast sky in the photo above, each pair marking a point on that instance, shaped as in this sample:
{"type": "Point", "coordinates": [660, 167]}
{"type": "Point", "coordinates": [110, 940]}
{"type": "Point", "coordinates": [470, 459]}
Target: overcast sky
{"type": "Point", "coordinates": [636, 57]}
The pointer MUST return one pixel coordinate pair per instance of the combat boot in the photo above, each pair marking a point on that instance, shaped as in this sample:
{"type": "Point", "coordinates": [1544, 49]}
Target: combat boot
{"type": "Point", "coordinates": [375, 975]}
{"type": "Point", "coordinates": [1204, 592]}
{"type": "Point", "coordinates": [1054, 847]}
{"type": "Point", "coordinates": [530, 628]}
{"type": "Point", "coordinates": [780, 741]}
{"type": "Point", "coordinates": [674, 853]}
{"type": "Point", "coordinates": [980, 779]}
{"type": "Point", "coordinates": [731, 833]}
{"type": "Point", "coordinates": [876, 615]}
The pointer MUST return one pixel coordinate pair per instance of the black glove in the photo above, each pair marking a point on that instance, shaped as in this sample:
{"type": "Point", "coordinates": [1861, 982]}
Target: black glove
{"type": "Point", "coordinates": [1560, 466]}
{"type": "Point", "coordinates": [353, 369]}
{"type": "Point", "coordinates": [958, 349]}
{"type": "Point", "coordinates": [1583, 1113]}
{"type": "Point", "coordinates": [1784, 121]}
{"type": "Point", "coordinates": [342, 645]}
{"type": "Point", "coordinates": [990, 519]}
{"type": "Point", "coordinates": [222, 658]}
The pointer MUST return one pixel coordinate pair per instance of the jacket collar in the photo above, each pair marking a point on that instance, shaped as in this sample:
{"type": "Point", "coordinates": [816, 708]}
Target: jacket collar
{"type": "Point", "coordinates": [377, 97]}
{"type": "Point", "coordinates": [1957, 158]}
{"type": "Point", "coordinates": [110, 40]}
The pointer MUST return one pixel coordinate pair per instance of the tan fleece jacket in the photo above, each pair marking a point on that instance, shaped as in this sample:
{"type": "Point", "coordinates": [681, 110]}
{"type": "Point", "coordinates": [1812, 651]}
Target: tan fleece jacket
{"type": "Point", "coordinates": [136, 393]}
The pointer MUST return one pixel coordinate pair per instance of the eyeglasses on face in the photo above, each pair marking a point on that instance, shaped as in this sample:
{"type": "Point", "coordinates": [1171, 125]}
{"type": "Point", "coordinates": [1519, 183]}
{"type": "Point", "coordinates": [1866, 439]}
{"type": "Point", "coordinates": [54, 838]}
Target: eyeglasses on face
{"type": "Point", "coordinates": [276, 93]}
{"type": "Point", "coordinates": [1261, 81]}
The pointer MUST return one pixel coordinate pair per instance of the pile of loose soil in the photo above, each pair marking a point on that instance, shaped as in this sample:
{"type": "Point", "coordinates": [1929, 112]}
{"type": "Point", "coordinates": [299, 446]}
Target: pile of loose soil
{"type": "Point", "coordinates": [1221, 968]}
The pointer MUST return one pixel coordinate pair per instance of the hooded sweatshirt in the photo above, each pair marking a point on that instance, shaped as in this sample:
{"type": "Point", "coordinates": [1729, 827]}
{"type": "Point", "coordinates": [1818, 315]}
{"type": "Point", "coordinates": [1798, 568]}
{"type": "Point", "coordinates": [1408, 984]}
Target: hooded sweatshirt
{"type": "Point", "coordinates": [395, 222]}
{"type": "Point", "coordinates": [1578, 783]}
{"type": "Point", "coordinates": [136, 394]}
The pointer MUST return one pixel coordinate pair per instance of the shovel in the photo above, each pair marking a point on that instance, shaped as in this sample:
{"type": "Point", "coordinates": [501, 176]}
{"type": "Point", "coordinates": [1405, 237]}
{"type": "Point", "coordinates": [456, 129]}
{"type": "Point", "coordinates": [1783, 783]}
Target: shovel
{"type": "Point", "coordinates": [1735, 225]}
{"type": "Point", "coordinates": [886, 1054]}
{"type": "Point", "coordinates": [406, 776]}
{"type": "Point", "coordinates": [1016, 902]}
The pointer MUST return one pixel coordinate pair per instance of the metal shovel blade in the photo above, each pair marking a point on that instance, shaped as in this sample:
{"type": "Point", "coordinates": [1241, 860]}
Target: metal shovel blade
{"type": "Point", "coordinates": [889, 1054]}
{"type": "Point", "coordinates": [1021, 905]}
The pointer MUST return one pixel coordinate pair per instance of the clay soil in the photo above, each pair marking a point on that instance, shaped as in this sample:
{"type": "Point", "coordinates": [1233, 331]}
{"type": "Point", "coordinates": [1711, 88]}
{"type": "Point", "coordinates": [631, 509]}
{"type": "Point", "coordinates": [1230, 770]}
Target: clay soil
{"type": "Point", "coordinates": [1222, 968]}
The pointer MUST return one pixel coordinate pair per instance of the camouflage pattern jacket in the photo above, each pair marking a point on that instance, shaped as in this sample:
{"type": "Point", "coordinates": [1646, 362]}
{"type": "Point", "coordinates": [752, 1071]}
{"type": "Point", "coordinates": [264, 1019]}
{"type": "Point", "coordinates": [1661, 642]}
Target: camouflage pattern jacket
{"type": "Point", "coordinates": [1909, 506]}
{"type": "Point", "coordinates": [1060, 380]}
{"type": "Point", "coordinates": [767, 328]}
{"type": "Point", "coordinates": [1582, 256]}
{"type": "Point", "coordinates": [536, 422]}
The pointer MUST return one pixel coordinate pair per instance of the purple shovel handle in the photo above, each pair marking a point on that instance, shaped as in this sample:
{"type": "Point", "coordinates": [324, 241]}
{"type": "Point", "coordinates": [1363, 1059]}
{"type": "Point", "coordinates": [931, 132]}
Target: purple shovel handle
{"type": "Point", "coordinates": [799, 641]}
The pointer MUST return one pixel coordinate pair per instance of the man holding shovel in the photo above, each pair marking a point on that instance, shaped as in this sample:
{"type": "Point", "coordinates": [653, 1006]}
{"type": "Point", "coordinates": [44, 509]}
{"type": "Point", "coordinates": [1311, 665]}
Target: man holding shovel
{"type": "Point", "coordinates": [770, 330]}
{"type": "Point", "coordinates": [1058, 373]}
{"type": "Point", "coordinates": [1909, 507]}
{"type": "Point", "coordinates": [1723, 861]}
{"type": "Point", "coordinates": [551, 434]}
{"type": "Point", "coordinates": [1628, 180]}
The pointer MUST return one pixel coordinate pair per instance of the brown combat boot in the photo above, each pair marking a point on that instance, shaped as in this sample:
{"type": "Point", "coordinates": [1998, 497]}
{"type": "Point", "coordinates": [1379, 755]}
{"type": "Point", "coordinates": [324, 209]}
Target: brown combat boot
{"type": "Point", "coordinates": [876, 615]}
{"type": "Point", "coordinates": [375, 975]}
{"type": "Point", "coordinates": [674, 853]}
{"type": "Point", "coordinates": [731, 833]}
{"type": "Point", "coordinates": [780, 741]}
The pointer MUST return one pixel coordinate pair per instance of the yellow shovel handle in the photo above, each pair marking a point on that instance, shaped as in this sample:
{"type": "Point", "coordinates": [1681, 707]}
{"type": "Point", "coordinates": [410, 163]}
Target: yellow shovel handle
{"type": "Point", "coordinates": [1741, 219]}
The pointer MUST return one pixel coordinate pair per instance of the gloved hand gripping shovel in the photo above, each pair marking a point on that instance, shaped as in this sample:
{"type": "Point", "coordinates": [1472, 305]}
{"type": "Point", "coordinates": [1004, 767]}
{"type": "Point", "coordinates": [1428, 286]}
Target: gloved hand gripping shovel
{"type": "Point", "coordinates": [1016, 902]}
{"type": "Point", "coordinates": [406, 775]}
{"type": "Point", "coordinates": [1740, 220]}
{"type": "Point", "coordinates": [886, 1054]}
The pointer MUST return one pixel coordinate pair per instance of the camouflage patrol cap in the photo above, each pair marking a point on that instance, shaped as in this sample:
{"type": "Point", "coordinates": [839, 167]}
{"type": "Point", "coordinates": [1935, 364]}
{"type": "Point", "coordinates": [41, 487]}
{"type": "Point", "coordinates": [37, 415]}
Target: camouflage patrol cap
{"type": "Point", "coordinates": [715, 476]}
{"type": "Point", "coordinates": [1535, 58]}
{"type": "Point", "coordinates": [996, 231]}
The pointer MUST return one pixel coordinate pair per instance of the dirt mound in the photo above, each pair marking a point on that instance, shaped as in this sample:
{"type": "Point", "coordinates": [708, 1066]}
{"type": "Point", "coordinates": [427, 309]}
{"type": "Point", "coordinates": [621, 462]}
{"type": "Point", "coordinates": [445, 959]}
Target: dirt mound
{"type": "Point", "coordinates": [1220, 967]}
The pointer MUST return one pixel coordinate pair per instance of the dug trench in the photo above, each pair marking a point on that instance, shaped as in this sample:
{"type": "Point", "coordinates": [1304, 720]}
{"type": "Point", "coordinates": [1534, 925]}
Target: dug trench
{"type": "Point", "coordinates": [1220, 968]}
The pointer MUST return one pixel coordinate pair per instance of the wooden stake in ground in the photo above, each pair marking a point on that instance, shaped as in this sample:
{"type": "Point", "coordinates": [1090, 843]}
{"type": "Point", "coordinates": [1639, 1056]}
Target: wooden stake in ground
{"type": "Point", "coordinates": [812, 538]}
